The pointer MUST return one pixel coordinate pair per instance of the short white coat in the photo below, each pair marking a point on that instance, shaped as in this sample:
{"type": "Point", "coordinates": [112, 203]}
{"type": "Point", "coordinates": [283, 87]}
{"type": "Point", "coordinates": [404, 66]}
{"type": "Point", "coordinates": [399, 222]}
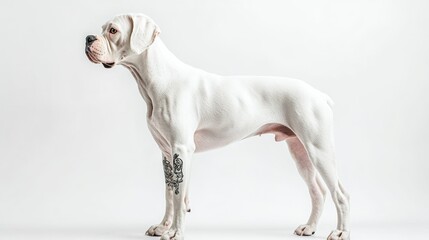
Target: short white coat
{"type": "Point", "coordinates": [190, 110]}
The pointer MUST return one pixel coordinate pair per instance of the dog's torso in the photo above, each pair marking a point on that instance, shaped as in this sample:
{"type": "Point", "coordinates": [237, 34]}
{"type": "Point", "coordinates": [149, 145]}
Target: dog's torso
{"type": "Point", "coordinates": [237, 107]}
{"type": "Point", "coordinates": [219, 110]}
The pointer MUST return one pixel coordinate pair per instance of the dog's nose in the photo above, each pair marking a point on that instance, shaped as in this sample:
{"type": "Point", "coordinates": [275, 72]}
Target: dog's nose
{"type": "Point", "coordinates": [90, 39]}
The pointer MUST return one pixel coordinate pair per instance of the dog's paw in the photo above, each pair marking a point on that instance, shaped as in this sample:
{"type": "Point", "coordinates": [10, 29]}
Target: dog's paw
{"type": "Point", "coordinates": [172, 234]}
{"type": "Point", "coordinates": [158, 229]}
{"type": "Point", "coordinates": [339, 235]}
{"type": "Point", "coordinates": [305, 230]}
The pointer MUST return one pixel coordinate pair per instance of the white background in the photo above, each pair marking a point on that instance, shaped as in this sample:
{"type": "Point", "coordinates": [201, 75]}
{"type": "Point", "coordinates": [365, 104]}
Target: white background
{"type": "Point", "coordinates": [77, 160]}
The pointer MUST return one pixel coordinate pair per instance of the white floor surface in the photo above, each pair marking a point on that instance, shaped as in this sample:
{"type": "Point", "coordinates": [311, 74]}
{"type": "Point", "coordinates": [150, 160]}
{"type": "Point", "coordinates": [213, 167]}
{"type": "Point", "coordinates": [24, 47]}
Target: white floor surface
{"type": "Point", "coordinates": [207, 233]}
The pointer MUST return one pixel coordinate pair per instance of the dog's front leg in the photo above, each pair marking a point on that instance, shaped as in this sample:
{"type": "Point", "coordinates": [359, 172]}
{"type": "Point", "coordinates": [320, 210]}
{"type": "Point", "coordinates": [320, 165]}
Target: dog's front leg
{"type": "Point", "coordinates": [176, 177]}
{"type": "Point", "coordinates": [164, 226]}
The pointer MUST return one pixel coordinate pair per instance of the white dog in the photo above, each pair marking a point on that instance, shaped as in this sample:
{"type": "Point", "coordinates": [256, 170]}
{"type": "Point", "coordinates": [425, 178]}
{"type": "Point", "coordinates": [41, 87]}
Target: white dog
{"type": "Point", "coordinates": [190, 110]}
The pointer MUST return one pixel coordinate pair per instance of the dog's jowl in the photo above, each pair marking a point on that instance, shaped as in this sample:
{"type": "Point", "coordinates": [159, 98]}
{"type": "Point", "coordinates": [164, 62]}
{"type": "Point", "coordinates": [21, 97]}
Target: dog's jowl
{"type": "Point", "coordinates": [190, 111]}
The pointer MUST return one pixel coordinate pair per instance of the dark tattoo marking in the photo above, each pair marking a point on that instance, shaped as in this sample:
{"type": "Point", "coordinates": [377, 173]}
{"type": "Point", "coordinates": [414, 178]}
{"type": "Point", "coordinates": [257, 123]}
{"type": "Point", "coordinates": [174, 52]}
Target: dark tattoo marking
{"type": "Point", "coordinates": [176, 169]}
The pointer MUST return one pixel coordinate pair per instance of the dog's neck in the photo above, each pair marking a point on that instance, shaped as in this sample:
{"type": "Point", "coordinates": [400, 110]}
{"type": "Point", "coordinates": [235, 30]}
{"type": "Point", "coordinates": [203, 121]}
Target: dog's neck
{"type": "Point", "coordinates": [154, 69]}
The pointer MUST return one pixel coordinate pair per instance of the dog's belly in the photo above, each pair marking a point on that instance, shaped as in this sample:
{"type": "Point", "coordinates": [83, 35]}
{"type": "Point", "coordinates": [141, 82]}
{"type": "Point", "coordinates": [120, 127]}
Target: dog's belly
{"type": "Point", "coordinates": [206, 139]}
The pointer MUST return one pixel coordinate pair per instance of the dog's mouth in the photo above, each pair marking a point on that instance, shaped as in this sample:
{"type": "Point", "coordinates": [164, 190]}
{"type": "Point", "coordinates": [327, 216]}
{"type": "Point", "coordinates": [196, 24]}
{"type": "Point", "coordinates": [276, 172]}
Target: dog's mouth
{"type": "Point", "coordinates": [94, 60]}
{"type": "Point", "coordinates": [108, 65]}
{"type": "Point", "coordinates": [90, 57]}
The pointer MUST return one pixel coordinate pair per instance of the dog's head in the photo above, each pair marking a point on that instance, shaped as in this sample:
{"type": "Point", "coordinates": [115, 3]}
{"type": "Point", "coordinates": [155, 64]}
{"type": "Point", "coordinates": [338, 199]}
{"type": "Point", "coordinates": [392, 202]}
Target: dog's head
{"type": "Point", "coordinates": [122, 37]}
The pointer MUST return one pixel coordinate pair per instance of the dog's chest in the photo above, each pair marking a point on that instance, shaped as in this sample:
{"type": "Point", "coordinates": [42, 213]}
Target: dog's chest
{"type": "Point", "coordinates": [206, 139]}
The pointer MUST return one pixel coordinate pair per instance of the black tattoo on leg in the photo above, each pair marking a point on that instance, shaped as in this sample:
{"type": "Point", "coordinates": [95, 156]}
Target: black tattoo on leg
{"type": "Point", "coordinates": [168, 172]}
{"type": "Point", "coordinates": [177, 169]}
{"type": "Point", "coordinates": [178, 166]}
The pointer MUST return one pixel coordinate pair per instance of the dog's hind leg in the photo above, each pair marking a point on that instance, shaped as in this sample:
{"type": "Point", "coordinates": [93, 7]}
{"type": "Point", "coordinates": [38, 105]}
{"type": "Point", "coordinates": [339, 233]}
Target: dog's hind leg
{"type": "Point", "coordinates": [315, 186]}
{"type": "Point", "coordinates": [316, 134]}
{"type": "Point", "coordinates": [323, 159]}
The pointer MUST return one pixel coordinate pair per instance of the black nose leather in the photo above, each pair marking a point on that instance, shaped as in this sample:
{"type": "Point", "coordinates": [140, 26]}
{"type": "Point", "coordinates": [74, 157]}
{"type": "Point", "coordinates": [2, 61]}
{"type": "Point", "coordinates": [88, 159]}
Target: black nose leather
{"type": "Point", "coordinates": [90, 39]}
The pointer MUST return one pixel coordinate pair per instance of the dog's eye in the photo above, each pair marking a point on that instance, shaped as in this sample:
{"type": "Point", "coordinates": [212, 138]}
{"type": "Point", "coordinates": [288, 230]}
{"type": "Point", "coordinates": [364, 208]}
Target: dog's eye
{"type": "Point", "coordinates": [113, 31]}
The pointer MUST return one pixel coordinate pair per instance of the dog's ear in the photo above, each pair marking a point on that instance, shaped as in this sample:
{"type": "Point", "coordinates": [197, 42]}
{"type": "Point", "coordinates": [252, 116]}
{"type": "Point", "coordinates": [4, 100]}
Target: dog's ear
{"type": "Point", "coordinates": [143, 32]}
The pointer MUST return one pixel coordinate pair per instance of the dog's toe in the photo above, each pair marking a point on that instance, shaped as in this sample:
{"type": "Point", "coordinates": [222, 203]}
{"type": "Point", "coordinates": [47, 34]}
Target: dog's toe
{"type": "Point", "coordinates": [305, 230]}
{"type": "Point", "coordinates": [157, 230]}
{"type": "Point", "coordinates": [172, 234]}
{"type": "Point", "coordinates": [339, 235]}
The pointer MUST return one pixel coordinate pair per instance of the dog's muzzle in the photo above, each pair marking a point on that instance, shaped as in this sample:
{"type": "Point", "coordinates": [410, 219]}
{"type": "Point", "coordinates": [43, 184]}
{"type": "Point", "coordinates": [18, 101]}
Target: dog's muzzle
{"type": "Point", "coordinates": [89, 40]}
